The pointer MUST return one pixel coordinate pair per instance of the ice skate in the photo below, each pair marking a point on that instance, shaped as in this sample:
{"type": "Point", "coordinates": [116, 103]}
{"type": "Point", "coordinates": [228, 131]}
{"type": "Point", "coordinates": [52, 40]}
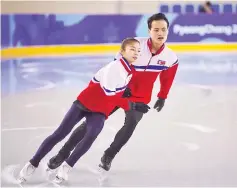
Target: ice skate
{"type": "Point", "coordinates": [56, 161]}
{"type": "Point", "coordinates": [26, 172]}
{"type": "Point", "coordinates": [106, 162]}
{"type": "Point", "coordinates": [62, 174]}
{"type": "Point", "coordinates": [48, 173]}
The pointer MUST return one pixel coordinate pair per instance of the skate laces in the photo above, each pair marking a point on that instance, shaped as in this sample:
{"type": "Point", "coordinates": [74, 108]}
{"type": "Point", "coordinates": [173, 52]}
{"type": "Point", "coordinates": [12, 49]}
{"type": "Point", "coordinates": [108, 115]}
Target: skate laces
{"type": "Point", "coordinates": [108, 159]}
{"type": "Point", "coordinates": [29, 169]}
{"type": "Point", "coordinates": [57, 159]}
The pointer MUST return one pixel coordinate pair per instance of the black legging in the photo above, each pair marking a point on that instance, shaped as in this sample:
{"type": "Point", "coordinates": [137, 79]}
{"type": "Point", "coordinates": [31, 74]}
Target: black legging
{"type": "Point", "coordinates": [95, 123]}
{"type": "Point", "coordinates": [76, 136]}
{"type": "Point", "coordinates": [121, 138]}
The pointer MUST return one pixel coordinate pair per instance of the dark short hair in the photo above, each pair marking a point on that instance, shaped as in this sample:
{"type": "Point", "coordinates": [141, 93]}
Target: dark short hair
{"type": "Point", "coordinates": [208, 3]}
{"type": "Point", "coordinates": [128, 41]}
{"type": "Point", "coordinates": [158, 16]}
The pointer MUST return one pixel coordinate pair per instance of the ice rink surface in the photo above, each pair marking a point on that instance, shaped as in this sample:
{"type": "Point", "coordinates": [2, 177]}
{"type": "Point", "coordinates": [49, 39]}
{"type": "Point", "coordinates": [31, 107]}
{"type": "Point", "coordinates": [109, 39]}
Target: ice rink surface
{"type": "Point", "coordinates": [192, 142]}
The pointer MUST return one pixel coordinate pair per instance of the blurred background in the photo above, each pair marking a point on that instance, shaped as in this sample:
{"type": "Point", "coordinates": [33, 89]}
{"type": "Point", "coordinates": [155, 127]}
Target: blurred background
{"type": "Point", "coordinates": [30, 23]}
{"type": "Point", "coordinates": [51, 49]}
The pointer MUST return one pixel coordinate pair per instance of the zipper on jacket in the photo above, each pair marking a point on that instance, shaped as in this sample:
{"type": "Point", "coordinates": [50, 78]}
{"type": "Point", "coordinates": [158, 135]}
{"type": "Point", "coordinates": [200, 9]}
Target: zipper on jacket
{"type": "Point", "coordinates": [148, 63]}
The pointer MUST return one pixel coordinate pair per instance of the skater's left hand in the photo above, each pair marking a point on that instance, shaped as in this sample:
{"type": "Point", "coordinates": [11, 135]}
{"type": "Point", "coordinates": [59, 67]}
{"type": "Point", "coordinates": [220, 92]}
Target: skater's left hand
{"type": "Point", "coordinates": [159, 104]}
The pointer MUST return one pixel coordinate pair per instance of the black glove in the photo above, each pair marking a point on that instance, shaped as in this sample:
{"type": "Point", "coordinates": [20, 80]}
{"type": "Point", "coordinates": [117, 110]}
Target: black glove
{"type": "Point", "coordinates": [127, 93]}
{"type": "Point", "coordinates": [159, 104]}
{"type": "Point", "coordinates": [138, 106]}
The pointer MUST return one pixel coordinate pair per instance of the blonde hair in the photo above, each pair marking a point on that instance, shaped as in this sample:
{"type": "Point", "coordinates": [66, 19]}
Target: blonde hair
{"type": "Point", "coordinates": [128, 41]}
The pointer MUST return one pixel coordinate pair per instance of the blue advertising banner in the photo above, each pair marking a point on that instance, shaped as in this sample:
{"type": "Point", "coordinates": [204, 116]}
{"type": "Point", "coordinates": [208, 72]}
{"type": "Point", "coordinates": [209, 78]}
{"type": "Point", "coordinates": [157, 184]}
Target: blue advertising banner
{"type": "Point", "coordinates": [203, 28]}
{"type": "Point", "coordinates": [44, 29]}
{"type": "Point", "coordinates": [5, 30]}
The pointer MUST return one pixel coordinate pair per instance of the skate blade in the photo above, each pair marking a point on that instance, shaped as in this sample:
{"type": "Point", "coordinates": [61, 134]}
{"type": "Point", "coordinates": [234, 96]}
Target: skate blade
{"type": "Point", "coordinates": [101, 168]}
{"type": "Point", "coordinates": [21, 180]}
{"type": "Point", "coordinates": [102, 174]}
{"type": "Point", "coordinates": [58, 180]}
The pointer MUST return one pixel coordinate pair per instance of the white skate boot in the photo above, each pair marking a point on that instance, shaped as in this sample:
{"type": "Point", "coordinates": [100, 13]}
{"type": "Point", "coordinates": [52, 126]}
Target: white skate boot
{"type": "Point", "coordinates": [26, 172]}
{"type": "Point", "coordinates": [62, 174]}
{"type": "Point", "coordinates": [48, 173]}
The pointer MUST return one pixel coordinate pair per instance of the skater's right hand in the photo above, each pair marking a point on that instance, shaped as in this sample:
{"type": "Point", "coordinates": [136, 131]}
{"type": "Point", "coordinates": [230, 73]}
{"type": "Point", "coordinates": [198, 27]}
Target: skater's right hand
{"type": "Point", "coordinates": [141, 107]}
{"type": "Point", "coordinates": [127, 93]}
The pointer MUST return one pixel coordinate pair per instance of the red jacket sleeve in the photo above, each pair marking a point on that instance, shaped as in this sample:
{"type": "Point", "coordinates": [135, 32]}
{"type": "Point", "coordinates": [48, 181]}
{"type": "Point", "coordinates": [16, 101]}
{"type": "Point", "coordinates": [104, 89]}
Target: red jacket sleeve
{"type": "Point", "coordinates": [166, 80]}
